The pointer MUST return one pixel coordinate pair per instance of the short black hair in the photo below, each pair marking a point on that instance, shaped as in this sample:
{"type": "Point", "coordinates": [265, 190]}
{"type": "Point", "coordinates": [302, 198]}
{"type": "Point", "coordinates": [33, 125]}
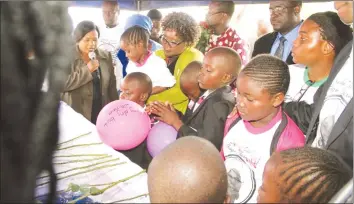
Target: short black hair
{"type": "Point", "coordinates": [185, 26]}
{"type": "Point", "coordinates": [83, 28]}
{"type": "Point", "coordinates": [295, 3]}
{"type": "Point", "coordinates": [333, 29]}
{"type": "Point", "coordinates": [143, 79]}
{"type": "Point", "coordinates": [170, 180]}
{"type": "Point", "coordinates": [227, 7]}
{"type": "Point", "coordinates": [154, 14]}
{"type": "Point", "coordinates": [314, 175]}
{"type": "Point", "coordinates": [192, 69]}
{"type": "Point", "coordinates": [271, 72]}
{"type": "Point", "coordinates": [136, 34]}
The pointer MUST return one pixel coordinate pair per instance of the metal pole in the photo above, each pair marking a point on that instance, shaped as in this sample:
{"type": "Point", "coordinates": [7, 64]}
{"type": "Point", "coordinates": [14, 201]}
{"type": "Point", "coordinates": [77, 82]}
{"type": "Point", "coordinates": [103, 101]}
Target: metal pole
{"type": "Point", "coordinates": [138, 5]}
{"type": "Point", "coordinates": [344, 194]}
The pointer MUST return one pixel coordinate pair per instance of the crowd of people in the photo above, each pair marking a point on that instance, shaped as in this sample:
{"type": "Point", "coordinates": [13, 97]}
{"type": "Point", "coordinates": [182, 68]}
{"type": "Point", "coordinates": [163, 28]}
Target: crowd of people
{"type": "Point", "coordinates": [273, 128]}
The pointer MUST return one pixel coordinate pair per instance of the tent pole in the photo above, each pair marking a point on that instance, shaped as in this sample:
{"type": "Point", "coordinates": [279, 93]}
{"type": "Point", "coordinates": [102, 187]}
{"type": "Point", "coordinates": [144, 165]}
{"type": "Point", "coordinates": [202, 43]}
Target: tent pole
{"type": "Point", "coordinates": [138, 5]}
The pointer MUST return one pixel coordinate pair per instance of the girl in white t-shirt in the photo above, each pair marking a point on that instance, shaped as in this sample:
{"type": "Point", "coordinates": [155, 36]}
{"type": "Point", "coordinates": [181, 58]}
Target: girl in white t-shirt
{"type": "Point", "coordinates": [134, 42]}
{"type": "Point", "coordinates": [259, 127]}
{"type": "Point", "coordinates": [320, 39]}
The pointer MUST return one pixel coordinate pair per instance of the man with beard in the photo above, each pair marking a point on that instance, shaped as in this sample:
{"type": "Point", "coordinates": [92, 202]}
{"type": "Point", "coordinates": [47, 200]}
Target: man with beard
{"type": "Point", "coordinates": [286, 21]}
{"type": "Point", "coordinates": [217, 19]}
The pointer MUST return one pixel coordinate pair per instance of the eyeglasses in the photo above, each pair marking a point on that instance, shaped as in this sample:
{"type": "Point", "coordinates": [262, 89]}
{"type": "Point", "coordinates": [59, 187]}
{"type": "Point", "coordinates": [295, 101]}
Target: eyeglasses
{"type": "Point", "coordinates": [170, 43]}
{"type": "Point", "coordinates": [212, 14]}
{"type": "Point", "coordinates": [278, 9]}
{"type": "Point", "coordinates": [303, 90]}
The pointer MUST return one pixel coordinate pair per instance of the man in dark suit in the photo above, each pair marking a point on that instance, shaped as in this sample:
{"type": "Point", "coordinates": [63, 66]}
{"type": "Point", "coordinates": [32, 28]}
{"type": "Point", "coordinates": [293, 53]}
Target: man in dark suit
{"type": "Point", "coordinates": [328, 122]}
{"type": "Point", "coordinates": [286, 21]}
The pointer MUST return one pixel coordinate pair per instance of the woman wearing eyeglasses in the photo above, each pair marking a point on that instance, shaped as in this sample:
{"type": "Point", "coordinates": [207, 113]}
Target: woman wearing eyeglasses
{"type": "Point", "coordinates": [320, 39]}
{"type": "Point", "coordinates": [180, 32]}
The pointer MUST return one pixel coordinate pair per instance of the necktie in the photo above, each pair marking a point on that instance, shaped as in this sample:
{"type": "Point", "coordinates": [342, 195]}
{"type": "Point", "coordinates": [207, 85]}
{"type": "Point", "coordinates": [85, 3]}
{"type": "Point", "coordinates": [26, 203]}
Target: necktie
{"type": "Point", "coordinates": [279, 52]}
{"type": "Point", "coordinates": [201, 99]}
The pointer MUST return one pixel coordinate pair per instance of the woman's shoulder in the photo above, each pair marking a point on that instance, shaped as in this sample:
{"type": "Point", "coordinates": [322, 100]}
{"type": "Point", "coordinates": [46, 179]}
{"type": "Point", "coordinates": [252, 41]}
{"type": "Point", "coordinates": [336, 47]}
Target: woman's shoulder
{"type": "Point", "coordinates": [192, 53]}
{"type": "Point", "coordinates": [102, 54]}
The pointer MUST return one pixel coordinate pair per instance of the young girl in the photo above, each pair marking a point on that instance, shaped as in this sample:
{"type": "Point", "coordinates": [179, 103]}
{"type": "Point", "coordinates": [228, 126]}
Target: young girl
{"type": "Point", "coordinates": [303, 175]}
{"type": "Point", "coordinates": [134, 42]}
{"type": "Point", "coordinates": [258, 127]}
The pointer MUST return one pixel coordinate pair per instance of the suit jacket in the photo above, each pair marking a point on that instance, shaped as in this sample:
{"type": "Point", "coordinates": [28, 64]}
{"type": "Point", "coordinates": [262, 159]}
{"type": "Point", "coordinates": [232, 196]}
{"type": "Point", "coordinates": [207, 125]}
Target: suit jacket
{"type": "Point", "coordinates": [78, 90]}
{"type": "Point", "coordinates": [208, 120]}
{"type": "Point", "coordinates": [264, 45]}
{"type": "Point", "coordinates": [341, 137]}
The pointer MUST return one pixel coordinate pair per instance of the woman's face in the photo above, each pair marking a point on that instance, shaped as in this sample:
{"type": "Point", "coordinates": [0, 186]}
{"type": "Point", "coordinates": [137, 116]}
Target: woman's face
{"type": "Point", "coordinates": [172, 44]}
{"type": "Point", "coordinates": [89, 42]}
{"type": "Point", "coordinates": [309, 46]}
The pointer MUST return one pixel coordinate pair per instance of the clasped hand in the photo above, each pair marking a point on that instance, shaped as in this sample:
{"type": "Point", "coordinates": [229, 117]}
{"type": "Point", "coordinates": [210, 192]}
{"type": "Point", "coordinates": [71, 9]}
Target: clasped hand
{"type": "Point", "coordinates": [164, 112]}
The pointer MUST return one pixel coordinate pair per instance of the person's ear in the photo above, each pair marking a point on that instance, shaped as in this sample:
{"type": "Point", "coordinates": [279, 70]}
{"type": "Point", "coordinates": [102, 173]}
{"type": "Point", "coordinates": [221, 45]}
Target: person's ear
{"type": "Point", "coordinates": [227, 199]}
{"type": "Point", "coordinates": [327, 48]}
{"type": "Point", "coordinates": [144, 97]}
{"type": "Point", "coordinates": [297, 9]}
{"type": "Point", "coordinates": [226, 78]}
{"type": "Point", "coordinates": [277, 99]}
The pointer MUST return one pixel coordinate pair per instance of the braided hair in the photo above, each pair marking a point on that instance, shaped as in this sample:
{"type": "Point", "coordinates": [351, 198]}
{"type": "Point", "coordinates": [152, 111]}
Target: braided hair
{"type": "Point", "coordinates": [270, 72]}
{"type": "Point", "coordinates": [332, 29]}
{"type": "Point", "coordinates": [312, 174]}
{"type": "Point", "coordinates": [184, 25]}
{"type": "Point", "coordinates": [29, 125]}
{"type": "Point", "coordinates": [135, 35]}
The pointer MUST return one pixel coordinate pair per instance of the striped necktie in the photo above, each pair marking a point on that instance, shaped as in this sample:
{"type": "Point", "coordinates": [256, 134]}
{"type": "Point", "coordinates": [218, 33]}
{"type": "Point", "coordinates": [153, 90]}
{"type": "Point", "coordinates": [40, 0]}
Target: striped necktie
{"type": "Point", "coordinates": [280, 50]}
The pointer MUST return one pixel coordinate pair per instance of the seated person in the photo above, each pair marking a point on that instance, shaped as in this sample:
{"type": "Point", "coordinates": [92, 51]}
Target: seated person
{"type": "Point", "coordinates": [136, 87]}
{"type": "Point", "coordinates": [303, 175]}
{"type": "Point", "coordinates": [260, 126]}
{"type": "Point", "coordinates": [221, 66]}
{"type": "Point", "coordinates": [320, 39]}
{"type": "Point", "coordinates": [189, 170]}
{"type": "Point", "coordinates": [134, 42]}
{"type": "Point", "coordinates": [189, 83]}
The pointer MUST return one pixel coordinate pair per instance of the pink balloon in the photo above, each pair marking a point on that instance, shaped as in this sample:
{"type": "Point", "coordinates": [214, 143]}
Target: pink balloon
{"type": "Point", "coordinates": [160, 136]}
{"type": "Point", "coordinates": [123, 124]}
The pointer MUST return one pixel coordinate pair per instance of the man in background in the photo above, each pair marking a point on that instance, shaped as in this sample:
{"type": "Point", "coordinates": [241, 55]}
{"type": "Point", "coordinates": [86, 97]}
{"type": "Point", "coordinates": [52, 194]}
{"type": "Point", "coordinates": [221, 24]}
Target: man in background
{"type": "Point", "coordinates": [110, 35]}
{"type": "Point", "coordinates": [218, 19]}
{"type": "Point", "coordinates": [156, 18]}
{"type": "Point", "coordinates": [286, 21]}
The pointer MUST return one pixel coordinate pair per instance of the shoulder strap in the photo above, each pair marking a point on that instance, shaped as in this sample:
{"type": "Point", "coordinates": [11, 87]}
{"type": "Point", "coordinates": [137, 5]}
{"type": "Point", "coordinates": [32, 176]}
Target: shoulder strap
{"type": "Point", "coordinates": [278, 132]}
{"type": "Point", "coordinates": [232, 124]}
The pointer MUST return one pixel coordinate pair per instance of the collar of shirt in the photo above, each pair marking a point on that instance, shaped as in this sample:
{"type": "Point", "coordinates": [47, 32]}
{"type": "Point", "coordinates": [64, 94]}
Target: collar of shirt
{"type": "Point", "coordinates": [145, 59]}
{"type": "Point", "coordinates": [288, 44]}
{"type": "Point", "coordinates": [307, 79]}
